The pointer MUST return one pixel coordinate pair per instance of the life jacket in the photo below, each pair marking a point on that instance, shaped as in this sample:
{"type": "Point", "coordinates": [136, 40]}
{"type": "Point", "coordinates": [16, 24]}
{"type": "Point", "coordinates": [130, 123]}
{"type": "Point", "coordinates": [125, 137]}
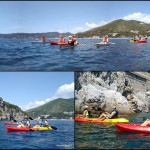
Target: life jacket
{"type": "Point", "coordinates": [71, 42]}
{"type": "Point", "coordinates": [115, 115]}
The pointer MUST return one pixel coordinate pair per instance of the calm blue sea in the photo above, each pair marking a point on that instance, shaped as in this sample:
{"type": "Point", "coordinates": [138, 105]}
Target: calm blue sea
{"type": "Point", "coordinates": [98, 136]}
{"type": "Point", "coordinates": [22, 55]}
{"type": "Point", "coordinates": [63, 138]}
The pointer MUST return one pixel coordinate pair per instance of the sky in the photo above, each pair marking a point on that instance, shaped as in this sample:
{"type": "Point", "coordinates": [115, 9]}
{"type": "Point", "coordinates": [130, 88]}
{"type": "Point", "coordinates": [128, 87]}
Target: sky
{"type": "Point", "coordinates": [65, 16]}
{"type": "Point", "coordinates": [32, 89]}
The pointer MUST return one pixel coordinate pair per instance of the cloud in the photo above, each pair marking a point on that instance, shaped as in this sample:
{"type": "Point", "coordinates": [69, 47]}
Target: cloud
{"type": "Point", "coordinates": [83, 28]}
{"type": "Point", "coordinates": [138, 16]}
{"type": "Point", "coordinates": [64, 91]}
{"type": "Point", "coordinates": [91, 25]}
{"type": "Point", "coordinates": [94, 25]}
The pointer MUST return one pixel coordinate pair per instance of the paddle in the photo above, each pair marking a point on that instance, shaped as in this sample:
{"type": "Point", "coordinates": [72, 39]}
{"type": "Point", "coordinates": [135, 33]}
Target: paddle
{"type": "Point", "coordinates": [15, 120]}
{"type": "Point", "coordinates": [54, 128]}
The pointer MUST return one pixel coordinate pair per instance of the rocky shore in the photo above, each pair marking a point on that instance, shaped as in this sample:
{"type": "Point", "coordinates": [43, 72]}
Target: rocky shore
{"type": "Point", "coordinates": [128, 91]}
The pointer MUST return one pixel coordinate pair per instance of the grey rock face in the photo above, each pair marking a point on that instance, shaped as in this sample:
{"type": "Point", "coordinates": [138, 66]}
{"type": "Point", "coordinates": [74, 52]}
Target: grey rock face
{"type": "Point", "coordinates": [104, 90]}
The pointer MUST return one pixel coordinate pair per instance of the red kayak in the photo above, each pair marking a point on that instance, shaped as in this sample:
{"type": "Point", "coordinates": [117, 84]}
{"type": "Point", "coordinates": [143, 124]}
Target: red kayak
{"type": "Point", "coordinates": [140, 41]}
{"type": "Point", "coordinates": [123, 127]}
{"type": "Point", "coordinates": [10, 123]}
{"type": "Point", "coordinates": [15, 129]}
{"type": "Point", "coordinates": [58, 43]}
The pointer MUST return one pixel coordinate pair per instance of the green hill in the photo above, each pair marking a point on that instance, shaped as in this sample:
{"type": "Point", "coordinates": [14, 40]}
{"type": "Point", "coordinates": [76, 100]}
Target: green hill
{"type": "Point", "coordinates": [118, 28]}
{"type": "Point", "coordinates": [55, 108]}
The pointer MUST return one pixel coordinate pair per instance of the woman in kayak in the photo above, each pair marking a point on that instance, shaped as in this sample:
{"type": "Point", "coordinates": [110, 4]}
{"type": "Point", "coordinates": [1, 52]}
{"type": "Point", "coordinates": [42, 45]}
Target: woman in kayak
{"type": "Point", "coordinates": [105, 39]}
{"type": "Point", "coordinates": [43, 39]}
{"type": "Point", "coordinates": [21, 124]}
{"type": "Point", "coordinates": [85, 112]}
{"type": "Point", "coordinates": [61, 39]}
{"type": "Point", "coordinates": [70, 41]}
{"type": "Point", "coordinates": [146, 123]}
{"type": "Point", "coordinates": [106, 115]}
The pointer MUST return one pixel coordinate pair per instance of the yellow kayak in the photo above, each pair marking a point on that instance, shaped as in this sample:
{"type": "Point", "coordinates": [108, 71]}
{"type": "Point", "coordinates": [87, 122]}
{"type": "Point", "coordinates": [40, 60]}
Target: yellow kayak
{"type": "Point", "coordinates": [97, 120]}
{"type": "Point", "coordinates": [131, 41]}
{"type": "Point", "coordinates": [37, 127]}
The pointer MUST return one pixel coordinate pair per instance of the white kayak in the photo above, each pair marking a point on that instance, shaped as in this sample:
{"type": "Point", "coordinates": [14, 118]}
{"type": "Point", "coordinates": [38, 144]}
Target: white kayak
{"type": "Point", "coordinates": [103, 44]}
{"type": "Point", "coordinates": [66, 47]}
{"type": "Point", "coordinates": [38, 42]}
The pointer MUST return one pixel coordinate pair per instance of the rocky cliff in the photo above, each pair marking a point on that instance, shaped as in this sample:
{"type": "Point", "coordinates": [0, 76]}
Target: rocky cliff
{"type": "Point", "coordinates": [7, 108]}
{"type": "Point", "coordinates": [128, 91]}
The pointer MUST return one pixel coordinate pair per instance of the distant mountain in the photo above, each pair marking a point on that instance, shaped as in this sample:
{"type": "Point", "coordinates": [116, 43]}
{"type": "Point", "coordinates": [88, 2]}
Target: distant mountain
{"type": "Point", "coordinates": [35, 35]}
{"type": "Point", "coordinates": [6, 108]}
{"type": "Point", "coordinates": [118, 28]}
{"type": "Point", "coordinates": [60, 108]}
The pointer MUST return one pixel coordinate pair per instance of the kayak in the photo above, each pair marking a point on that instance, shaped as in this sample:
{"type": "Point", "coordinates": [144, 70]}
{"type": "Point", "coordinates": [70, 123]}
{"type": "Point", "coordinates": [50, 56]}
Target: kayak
{"type": "Point", "coordinates": [35, 128]}
{"type": "Point", "coordinates": [102, 44]}
{"type": "Point", "coordinates": [38, 42]}
{"type": "Point", "coordinates": [138, 41]}
{"type": "Point", "coordinates": [132, 128]}
{"type": "Point", "coordinates": [10, 123]}
{"type": "Point", "coordinates": [8, 128]}
{"type": "Point", "coordinates": [58, 43]}
{"type": "Point", "coordinates": [66, 46]}
{"type": "Point", "coordinates": [44, 128]}
{"type": "Point", "coordinates": [97, 120]}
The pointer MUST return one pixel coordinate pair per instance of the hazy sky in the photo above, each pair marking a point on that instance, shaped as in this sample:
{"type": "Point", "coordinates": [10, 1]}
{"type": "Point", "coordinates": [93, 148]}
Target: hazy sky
{"type": "Point", "coordinates": [30, 89]}
{"type": "Point", "coordinates": [67, 16]}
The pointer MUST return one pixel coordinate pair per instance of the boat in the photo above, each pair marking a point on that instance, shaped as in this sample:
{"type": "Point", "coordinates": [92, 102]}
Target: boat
{"type": "Point", "coordinates": [138, 41]}
{"type": "Point", "coordinates": [97, 120]}
{"type": "Point", "coordinates": [121, 127]}
{"type": "Point", "coordinates": [58, 43]}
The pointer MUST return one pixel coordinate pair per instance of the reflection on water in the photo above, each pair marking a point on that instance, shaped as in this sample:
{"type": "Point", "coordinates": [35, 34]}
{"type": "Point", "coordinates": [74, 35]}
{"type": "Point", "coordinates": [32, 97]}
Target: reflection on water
{"type": "Point", "coordinates": [95, 136]}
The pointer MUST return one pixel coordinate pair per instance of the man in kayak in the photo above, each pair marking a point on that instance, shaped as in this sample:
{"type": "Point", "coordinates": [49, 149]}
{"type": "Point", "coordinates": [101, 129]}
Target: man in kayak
{"type": "Point", "coordinates": [146, 123]}
{"type": "Point", "coordinates": [74, 39]}
{"type": "Point", "coordinates": [43, 39]}
{"type": "Point", "coordinates": [105, 39]}
{"type": "Point", "coordinates": [112, 115]}
{"type": "Point", "coordinates": [61, 39]}
{"type": "Point", "coordinates": [70, 41]}
{"type": "Point", "coordinates": [44, 123]}
{"type": "Point", "coordinates": [27, 122]}
{"type": "Point", "coordinates": [86, 113]}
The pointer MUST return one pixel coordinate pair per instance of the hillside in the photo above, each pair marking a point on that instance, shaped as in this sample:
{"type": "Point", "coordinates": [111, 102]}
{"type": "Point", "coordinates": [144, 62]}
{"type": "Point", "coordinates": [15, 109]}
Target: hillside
{"type": "Point", "coordinates": [6, 108]}
{"type": "Point", "coordinates": [118, 28]}
{"type": "Point", "coordinates": [34, 35]}
{"type": "Point", "coordinates": [55, 108]}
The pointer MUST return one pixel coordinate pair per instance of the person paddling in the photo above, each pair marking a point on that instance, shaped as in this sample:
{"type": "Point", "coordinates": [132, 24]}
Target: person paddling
{"type": "Point", "coordinates": [112, 115]}
{"type": "Point", "coordinates": [27, 122]}
{"type": "Point", "coordinates": [44, 122]}
{"type": "Point", "coordinates": [86, 113]}
{"type": "Point", "coordinates": [70, 41]}
{"type": "Point", "coordinates": [146, 123]}
{"type": "Point", "coordinates": [61, 39]}
{"type": "Point", "coordinates": [74, 39]}
{"type": "Point", "coordinates": [105, 39]}
{"type": "Point", "coordinates": [43, 39]}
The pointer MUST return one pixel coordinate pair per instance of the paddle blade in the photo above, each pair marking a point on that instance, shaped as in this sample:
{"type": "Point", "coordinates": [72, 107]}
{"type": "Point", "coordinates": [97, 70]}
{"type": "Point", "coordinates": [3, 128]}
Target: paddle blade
{"type": "Point", "coordinates": [54, 128]}
{"type": "Point", "coordinates": [31, 118]}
